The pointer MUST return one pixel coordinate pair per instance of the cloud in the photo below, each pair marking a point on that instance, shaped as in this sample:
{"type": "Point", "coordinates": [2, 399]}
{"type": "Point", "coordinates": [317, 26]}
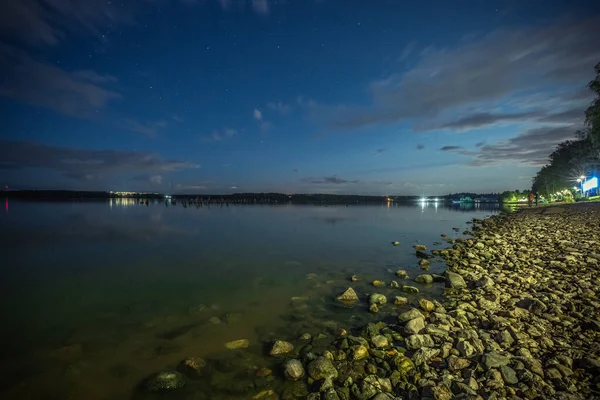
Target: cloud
{"type": "Point", "coordinates": [220, 135]}
{"type": "Point", "coordinates": [85, 164]}
{"type": "Point", "coordinates": [420, 146]}
{"type": "Point", "coordinates": [333, 180]}
{"type": "Point", "coordinates": [488, 69]}
{"type": "Point", "coordinates": [261, 6]}
{"type": "Point", "coordinates": [379, 151]}
{"type": "Point", "coordinates": [531, 147]}
{"type": "Point", "coordinates": [149, 129]}
{"type": "Point", "coordinates": [449, 148]}
{"type": "Point", "coordinates": [257, 114]}
{"type": "Point", "coordinates": [74, 93]}
{"type": "Point", "coordinates": [47, 22]}
{"type": "Point", "coordinates": [280, 107]}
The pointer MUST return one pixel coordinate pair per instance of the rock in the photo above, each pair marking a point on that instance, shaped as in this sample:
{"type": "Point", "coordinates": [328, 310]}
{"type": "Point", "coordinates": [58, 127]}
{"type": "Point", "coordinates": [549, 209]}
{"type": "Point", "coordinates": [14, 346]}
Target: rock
{"type": "Point", "coordinates": [494, 360]}
{"type": "Point", "coordinates": [378, 283]}
{"type": "Point", "coordinates": [485, 281]}
{"type": "Point", "coordinates": [537, 307]}
{"type": "Point", "coordinates": [354, 278]}
{"type": "Point", "coordinates": [408, 315]}
{"type": "Point", "coordinates": [293, 370]}
{"type": "Point", "coordinates": [266, 395]}
{"type": "Point", "coordinates": [322, 368]}
{"type": "Point", "coordinates": [165, 381]}
{"type": "Point", "coordinates": [410, 289]}
{"type": "Point", "coordinates": [456, 363]}
{"type": "Point", "coordinates": [305, 336]}
{"type": "Point", "coordinates": [414, 326]}
{"type": "Point", "coordinates": [330, 394]}
{"type": "Point", "coordinates": [509, 375]}
{"type": "Point", "coordinates": [261, 373]}
{"type": "Point", "coordinates": [455, 281]}
{"type": "Point", "coordinates": [395, 243]}
{"type": "Point", "coordinates": [425, 279]}
{"type": "Point", "coordinates": [379, 341]}
{"type": "Point", "coordinates": [399, 300]}
{"type": "Point", "coordinates": [402, 274]}
{"type": "Point", "coordinates": [359, 352]}
{"type": "Point", "coordinates": [424, 263]}
{"type": "Point", "coordinates": [394, 285]}
{"type": "Point", "coordinates": [420, 247]}
{"type": "Point", "coordinates": [192, 367]}
{"type": "Point", "coordinates": [418, 341]}
{"type": "Point", "coordinates": [377, 298]}
{"type": "Point", "coordinates": [426, 305]}
{"type": "Point", "coordinates": [237, 344]}
{"type": "Point", "coordinates": [465, 348]}
{"type": "Point", "coordinates": [214, 320]}
{"type": "Point", "coordinates": [373, 308]}
{"type": "Point", "coordinates": [281, 347]}
{"type": "Point", "coordinates": [424, 354]}
{"type": "Point", "coordinates": [348, 295]}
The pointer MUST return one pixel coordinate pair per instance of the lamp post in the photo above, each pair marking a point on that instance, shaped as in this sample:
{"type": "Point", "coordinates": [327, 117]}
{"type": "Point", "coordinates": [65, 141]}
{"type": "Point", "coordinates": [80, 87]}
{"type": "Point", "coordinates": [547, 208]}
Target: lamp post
{"type": "Point", "coordinates": [582, 178]}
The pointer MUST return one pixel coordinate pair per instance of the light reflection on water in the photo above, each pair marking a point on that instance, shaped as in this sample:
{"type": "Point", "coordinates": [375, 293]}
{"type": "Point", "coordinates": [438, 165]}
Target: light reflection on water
{"type": "Point", "coordinates": [133, 287]}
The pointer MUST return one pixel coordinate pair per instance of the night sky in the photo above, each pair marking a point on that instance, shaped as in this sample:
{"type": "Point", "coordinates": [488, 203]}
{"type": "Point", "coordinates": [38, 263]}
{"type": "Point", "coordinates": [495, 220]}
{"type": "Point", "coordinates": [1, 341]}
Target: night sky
{"type": "Point", "coordinates": [221, 96]}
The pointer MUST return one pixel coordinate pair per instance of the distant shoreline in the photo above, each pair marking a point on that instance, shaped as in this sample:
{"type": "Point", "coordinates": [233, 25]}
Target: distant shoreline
{"type": "Point", "coordinates": [78, 195]}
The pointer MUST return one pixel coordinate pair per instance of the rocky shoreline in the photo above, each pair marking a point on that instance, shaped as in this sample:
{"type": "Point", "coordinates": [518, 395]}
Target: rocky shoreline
{"type": "Point", "coordinates": [520, 319]}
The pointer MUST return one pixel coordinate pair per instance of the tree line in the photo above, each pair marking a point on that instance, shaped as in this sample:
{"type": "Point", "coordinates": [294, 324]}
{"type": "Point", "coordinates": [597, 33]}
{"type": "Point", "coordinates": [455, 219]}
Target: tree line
{"type": "Point", "coordinates": [575, 158]}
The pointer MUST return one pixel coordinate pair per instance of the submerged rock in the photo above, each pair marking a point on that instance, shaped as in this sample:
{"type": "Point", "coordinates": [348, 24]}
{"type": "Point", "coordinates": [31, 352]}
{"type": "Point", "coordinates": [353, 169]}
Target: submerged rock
{"type": "Point", "coordinates": [378, 283]}
{"type": "Point", "coordinates": [165, 381]}
{"type": "Point", "coordinates": [348, 295]}
{"type": "Point", "coordinates": [237, 344]}
{"type": "Point", "coordinates": [281, 347]}
{"type": "Point", "coordinates": [293, 369]}
{"type": "Point", "coordinates": [402, 274]}
{"type": "Point", "coordinates": [377, 298]}
{"type": "Point", "coordinates": [399, 300]}
{"type": "Point", "coordinates": [424, 279]}
{"type": "Point", "coordinates": [410, 289]}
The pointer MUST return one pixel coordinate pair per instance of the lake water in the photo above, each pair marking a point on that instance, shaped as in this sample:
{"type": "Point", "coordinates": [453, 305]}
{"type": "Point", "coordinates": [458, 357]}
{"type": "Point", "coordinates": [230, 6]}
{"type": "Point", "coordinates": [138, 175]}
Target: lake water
{"type": "Point", "coordinates": [96, 296]}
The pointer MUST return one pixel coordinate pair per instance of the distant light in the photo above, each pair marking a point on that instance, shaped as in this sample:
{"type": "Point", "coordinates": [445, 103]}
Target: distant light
{"type": "Point", "coordinates": [582, 177]}
{"type": "Point", "coordinates": [423, 199]}
{"type": "Point", "coordinates": [436, 199]}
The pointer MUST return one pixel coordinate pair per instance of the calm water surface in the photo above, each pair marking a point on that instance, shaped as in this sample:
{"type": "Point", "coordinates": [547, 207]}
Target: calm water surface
{"type": "Point", "coordinates": [96, 296]}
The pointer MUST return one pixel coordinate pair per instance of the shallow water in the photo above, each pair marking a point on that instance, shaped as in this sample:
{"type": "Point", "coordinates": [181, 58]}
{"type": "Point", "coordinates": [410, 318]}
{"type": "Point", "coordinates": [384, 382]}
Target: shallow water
{"type": "Point", "coordinates": [96, 296]}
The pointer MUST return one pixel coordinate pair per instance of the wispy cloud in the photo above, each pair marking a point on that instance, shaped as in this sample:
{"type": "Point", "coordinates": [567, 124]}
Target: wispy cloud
{"type": "Point", "coordinates": [47, 22]}
{"type": "Point", "coordinates": [148, 129]}
{"type": "Point", "coordinates": [379, 151]}
{"type": "Point", "coordinates": [531, 147]}
{"type": "Point", "coordinates": [86, 164]}
{"type": "Point", "coordinates": [264, 125]}
{"type": "Point", "coordinates": [449, 148]}
{"type": "Point", "coordinates": [280, 107]}
{"type": "Point", "coordinates": [220, 135]}
{"type": "Point", "coordinates": [74, 93]}
{"type": "Point", "coordinates": [261, 6]}
{"type": "Point", "coordinates": [420, 146]}
{"type": "Point", "coordinates": [329, 180]}
{"type": "Point", "coordinates": [483, 70]}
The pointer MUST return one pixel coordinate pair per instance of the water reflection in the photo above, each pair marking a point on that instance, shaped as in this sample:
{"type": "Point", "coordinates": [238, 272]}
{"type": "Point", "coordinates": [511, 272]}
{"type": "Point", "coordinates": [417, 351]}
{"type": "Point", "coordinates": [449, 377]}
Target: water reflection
{"type": "Point", "coordinates": [117, 281]}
